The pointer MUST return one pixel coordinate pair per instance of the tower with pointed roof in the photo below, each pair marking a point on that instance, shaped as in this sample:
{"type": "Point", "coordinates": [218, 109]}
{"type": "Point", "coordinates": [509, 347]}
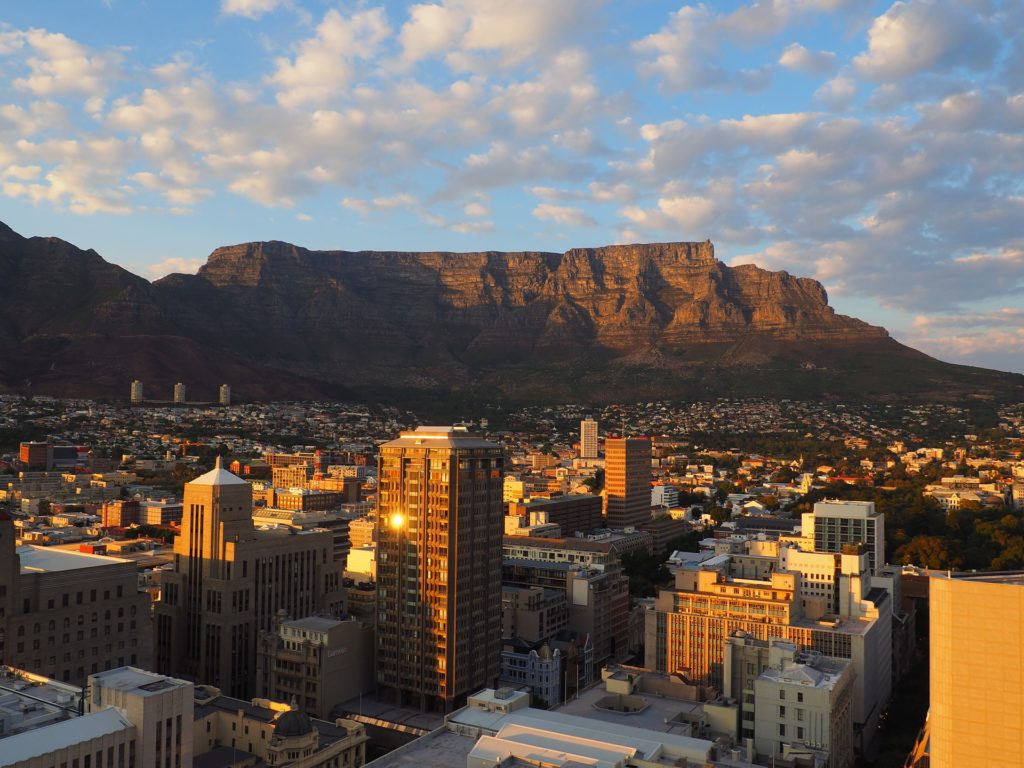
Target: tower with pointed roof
{"type": "Point", "coordinates": [230, 579]}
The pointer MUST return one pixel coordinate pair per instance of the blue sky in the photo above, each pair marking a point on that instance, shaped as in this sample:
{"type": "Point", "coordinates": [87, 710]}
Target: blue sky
{"type": "Point", "coordinates": [876, 146]}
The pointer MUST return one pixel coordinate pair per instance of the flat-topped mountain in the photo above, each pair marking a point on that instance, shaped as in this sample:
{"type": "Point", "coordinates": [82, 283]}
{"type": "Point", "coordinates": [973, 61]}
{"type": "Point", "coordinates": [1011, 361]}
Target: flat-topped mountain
{"type": "Point", "coordinates": [596, 324]}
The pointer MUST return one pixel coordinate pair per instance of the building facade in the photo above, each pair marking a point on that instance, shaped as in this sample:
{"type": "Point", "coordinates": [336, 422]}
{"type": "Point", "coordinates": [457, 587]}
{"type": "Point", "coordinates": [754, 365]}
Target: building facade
{"type": "Point", "coordinates": [627, 481]}
{"type": "Point", "coordinates": [136, 392]}
{"type": "Point", "coordinates": [588, 438]}
{"type": "Point", "coordinates": [439, 565]}
{"type": "Point", "coordinates": [179, 393]}
{"type": "Point", "coordinates": [229, 581]}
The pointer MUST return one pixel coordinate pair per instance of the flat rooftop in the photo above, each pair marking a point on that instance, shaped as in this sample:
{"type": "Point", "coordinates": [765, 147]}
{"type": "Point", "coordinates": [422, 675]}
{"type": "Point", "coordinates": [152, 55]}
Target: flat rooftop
{"type": "Point", "coordinates": [992, 577]}
{"type": "Point", "coordinates": [138, 681]}
{"type": "Point", "coordinates": [658, 716]}
{"type": "Point", "coordinates": [61, 735]}
{"type": "Point", "coordinates": [313, 623]}
{"type": "Point", "coordinates": [48, 559]}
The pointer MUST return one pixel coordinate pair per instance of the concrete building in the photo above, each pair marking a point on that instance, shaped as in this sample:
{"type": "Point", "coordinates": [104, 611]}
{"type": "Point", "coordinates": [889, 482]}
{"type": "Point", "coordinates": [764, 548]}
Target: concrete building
{"type": "Point", "coordinates": [588, 438]}
{"type": "Point", "coordinates": [664, 496]}
{"type": "Point", "coordinates": [229, 581]}
{"type": "Point", "coordinates": [590, 575]}
{"type": "Point", "coordinates": [231, 732]}
{"type": "Point", "coordinates": [135, 395]}
{"type": "Point", "coordinates": [976, 663]}
{"type": "Point", "coordinates": [297, 520]}
{"type": "Point", "coordinates": [834, 524]}
{"type": "Point", "coordinates": [317, 662]}
{"type": "Point", "coordinates": [803, 703]}
{"type": "Point", "coordinates": [224, 395]}
{"type": "Point", "coordinates": [119, 513]}
{"type": "Point", "coordinates": [627, 481]}
{"type": "Point", "coordinates": [580, 512]}
{"type": "Point", "coordinates": [439, 565]}
{"type": "Point", "coordinates": [532, 613]}
{"type": "Point", "coordinates": [68, 614]}
{"type": "Point", "coordinates": [160, 512]}
{"type": "Point", "coordinates": [129, 716]}
{"type": "Point", "coordinates": [179, 393]}
{"type": "Point", "coordinates": [686, 630]}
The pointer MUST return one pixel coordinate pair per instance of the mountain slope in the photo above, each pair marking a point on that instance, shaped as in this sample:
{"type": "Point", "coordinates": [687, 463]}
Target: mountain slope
{"type": "Point", "coordinates": [620, 322]}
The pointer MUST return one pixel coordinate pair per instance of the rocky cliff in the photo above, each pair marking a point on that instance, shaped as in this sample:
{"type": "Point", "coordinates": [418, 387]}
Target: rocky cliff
{"type": "Point", "coordinates": [619, 322]}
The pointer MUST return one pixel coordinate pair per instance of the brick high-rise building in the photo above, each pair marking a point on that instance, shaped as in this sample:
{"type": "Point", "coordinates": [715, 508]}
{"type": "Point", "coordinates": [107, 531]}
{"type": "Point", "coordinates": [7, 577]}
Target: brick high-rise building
{"type": "Point", "coordinates": [230, 580]}
{"type": "Point", "coordinates": [439, 566]}
{"type": "Point", "coordinates": [627, 480]}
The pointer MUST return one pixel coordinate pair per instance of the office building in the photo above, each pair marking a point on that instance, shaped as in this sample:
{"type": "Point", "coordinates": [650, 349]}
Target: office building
{"type": "Point", "coordinates": [627, 481]}
{"type": "Point", "coordinates": [68, 614]}
{"type": "Point", "coordinates": [45, 457]}
{"type": "Point", "coordinates": [532, 614]}
{"type": "Point", "coordinates": [835, 523]}
{"type": "Point", "coordinates": [580, 512]}
{"type": "Point", "coordinates": [590, 575]}
{"type": "Point", "coordinates": [687, 629]}
{"type": "Point", "coordinates": [317, 662]}
{"type": "Point", "coordinates": [224, 395]}
{"type": "Point", "coordinates": [125, 717]}
{"type": "Point", "coordinates": [179, 393]}
{"type": "Point", "coordinates": [976, 670]}
{"type": "Point", "coordinates": [439, 565]}
{"type": "Point", "coordinates": [229, 581]}
{"type": "Point", "coordinates": [803, 704]}
{"type": "Point", "coordinates": [588, 438]}
{"type": "Point", "coordinates": [136, 392]}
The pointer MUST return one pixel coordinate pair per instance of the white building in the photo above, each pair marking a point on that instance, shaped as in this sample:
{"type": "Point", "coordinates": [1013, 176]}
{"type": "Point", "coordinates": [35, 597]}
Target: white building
{"type": "Point", "coordinates": [179, 393]}
{"type": "Point", "coordinates": [664, 496]}
{"type": "Point", "coordinates": [136, 392]}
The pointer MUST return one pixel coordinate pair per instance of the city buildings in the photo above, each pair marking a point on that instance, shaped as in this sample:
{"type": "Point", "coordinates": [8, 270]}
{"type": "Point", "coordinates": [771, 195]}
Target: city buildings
{"type": "Point", "coordinates": [833, 524]}
{"type": "Point", "coordinates": [317, 662]}
{"type": "Point", "coordinates": [229, 581]}
{"type": "Point", "coordinates": [224, 395]}
{"type": "Point", "coordinates": [627, 481]}
{"type": "Point", "coordinates": [439, 565]}
{"type": "Point", "coordinates": [135, 395]}
{"type": "Point", "coordinates": [588, 439]}
{"type": "Point", "coordinates": [68, 614]}
{"type": "Point", "coordinates": [976, 670]}
{"type": "Point", "coordinates": [179, 394]}
{"type": "Point", "coordinates": [571, 512]}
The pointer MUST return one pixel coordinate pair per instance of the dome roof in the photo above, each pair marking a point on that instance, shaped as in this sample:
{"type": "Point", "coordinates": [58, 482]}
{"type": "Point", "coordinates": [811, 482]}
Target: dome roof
{"type": "Point", "coordinates": [293, 723]}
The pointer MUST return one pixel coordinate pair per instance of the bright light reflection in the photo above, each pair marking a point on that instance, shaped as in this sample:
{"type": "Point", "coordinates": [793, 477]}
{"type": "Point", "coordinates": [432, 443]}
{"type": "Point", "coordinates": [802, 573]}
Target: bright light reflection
{"type": "Point", "coordinates": [397, 520]}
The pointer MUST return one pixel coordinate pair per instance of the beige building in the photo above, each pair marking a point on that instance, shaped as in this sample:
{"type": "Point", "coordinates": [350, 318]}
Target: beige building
{"type": "Point", "coordinates": [627, 481]}
{"type": "Point", "coordinates": [136, 392]}
{"type": "Point", "coordinates": [68, 614]}
{"type": "Point", "coordinates": [439, 565]}
{"type": "Point", "coordinates": [687, 629]}
{"type": "Point", "coordinates": [976, 663]}
{"type": "Point", "coordinates": [803, 704]}
{"type": "Point", "coordinates": [532, 613]}
{"type": "Point", "coordinates": [230, 580]}
{"type": "Point", "coordinates": [317, 662]}
{"type": "Point", "coordinates": [588, 439]}
{"type": "Point", "coordinates": [129, 717]}
{"type": "Point", "coordinates": [179, 393]}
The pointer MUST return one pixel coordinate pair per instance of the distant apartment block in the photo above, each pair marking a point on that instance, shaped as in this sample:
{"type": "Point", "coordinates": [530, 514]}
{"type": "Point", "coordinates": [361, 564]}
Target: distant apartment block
{"type": "Point", "coordinates": [588, 438]}
{"type": "Point", "coordinates": [179, 393]}
{"type": "Point", "coordinates": [627, 481]}
{"type": "Point", "coordinates": [135, 395]}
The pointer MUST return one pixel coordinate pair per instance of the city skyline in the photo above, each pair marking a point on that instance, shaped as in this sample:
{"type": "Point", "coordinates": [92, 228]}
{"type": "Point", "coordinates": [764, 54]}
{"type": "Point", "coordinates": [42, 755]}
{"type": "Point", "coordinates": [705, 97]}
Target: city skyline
{"type": "Point", "coordinates": [870, 146]}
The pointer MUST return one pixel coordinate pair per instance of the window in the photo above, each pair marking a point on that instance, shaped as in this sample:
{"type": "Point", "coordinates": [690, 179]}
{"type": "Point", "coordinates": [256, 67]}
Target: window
{"type": "Point", "coordinates": [782, 729]}
{"type": "Point", "coordinates": [782, 694]}
{"type": "Point", "coordinates": [799, 696]}
{"type": "Point", "coordinates": [799, 732]}
{"type": "Point", "coordinates": [782, 711]}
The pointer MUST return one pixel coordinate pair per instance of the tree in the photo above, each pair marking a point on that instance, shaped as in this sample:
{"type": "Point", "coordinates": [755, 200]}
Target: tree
{"type": "Point", "coordinates": [930, 552]}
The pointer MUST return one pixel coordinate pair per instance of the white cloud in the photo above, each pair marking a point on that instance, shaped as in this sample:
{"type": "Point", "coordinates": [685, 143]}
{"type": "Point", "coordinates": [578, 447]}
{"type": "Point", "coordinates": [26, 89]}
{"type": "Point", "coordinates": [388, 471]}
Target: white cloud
{"type": "Point", "coordinates": [563, 215]}
{"type": "Point", "coordinates": [174, 265]}
{"type": "Point", "coordinates": [837, 94]}
{"type": "Point", "coordinates": [325, 64]}
{"type": "Point", "coordinates": [926, 35]}
{"type": "Point", "coordinates": [476, 210]}
{"type": "Point", "coordinates": [250, 9]}
{"type": "Point", "coordinates": [59, 65]}
{"type": "Point", "coordinates": [799, 58]}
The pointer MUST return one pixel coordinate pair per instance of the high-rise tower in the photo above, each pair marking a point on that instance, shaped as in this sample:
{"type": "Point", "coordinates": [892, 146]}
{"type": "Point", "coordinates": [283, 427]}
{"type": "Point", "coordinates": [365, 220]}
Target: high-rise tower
{"type": "Point", "coordinates": [225, 394]}
{"type": "Point", "coordinates": [179, 393]}
{"type": "Point", "coordinates": [439, 566]}
{"type": "Point", "coordinates": [588, 438]}
{"type": "Point", "coordinates": [136, 392]}
{"type": "Point", "coordinates": [627, 479]}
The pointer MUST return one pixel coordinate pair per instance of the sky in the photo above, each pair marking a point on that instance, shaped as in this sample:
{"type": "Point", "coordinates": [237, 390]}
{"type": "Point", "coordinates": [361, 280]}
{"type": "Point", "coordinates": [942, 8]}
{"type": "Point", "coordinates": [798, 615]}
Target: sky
{"type": "Point", "coordinates": [875, 146]}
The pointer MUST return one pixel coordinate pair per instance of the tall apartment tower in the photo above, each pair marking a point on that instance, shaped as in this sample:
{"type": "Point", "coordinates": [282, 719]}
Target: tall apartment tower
{"type": "Point", "coordinates": [588, 438]}
{"type": "Point", "coordinates": [975, 661]}
{"type": "Point", "coordinates": [179, 393]}
{"type": "Point", "coordinates": [440, 527]}
{"type": "Point", "coordinates": [136, 392]}
{"type": "Point", "coordinates": [225, 394]}
{"type": "Point", "coordinates": [627, 480]}
{"type": "Point", "coordinates": [229, 581]}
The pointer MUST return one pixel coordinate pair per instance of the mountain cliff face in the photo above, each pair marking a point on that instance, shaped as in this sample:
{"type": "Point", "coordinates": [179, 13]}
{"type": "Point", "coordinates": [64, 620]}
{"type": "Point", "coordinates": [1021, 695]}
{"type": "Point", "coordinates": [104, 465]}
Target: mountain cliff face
{"type": "Point", "coordinates": [619, 322]}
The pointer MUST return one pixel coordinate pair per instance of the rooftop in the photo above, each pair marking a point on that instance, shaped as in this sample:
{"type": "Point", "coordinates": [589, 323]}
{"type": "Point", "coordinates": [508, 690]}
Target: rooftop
{"type": "Point", "coordinates": [313, 623]}
{"type": "Point", "coordinates": [67, 733]}
{"type": "Point", "coordinates": [992, 577]}
{"type": "Point", "coordinates": [218, 476]}
{"type": "Point", "coordinates": [49, 559]}
{"type": "Point", "coordinates": [139, 681]}
{"type": "Point", "coordinates": [439, 437]}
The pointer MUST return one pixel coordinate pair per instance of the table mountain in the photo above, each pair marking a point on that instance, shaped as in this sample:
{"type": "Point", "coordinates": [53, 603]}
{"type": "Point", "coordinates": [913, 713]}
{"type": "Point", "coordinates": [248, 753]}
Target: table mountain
{"type": "Point", "coordinates": [596, 324]}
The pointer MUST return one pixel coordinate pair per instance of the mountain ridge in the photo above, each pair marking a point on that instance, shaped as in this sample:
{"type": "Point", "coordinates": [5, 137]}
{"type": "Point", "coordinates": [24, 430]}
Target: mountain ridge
{"type": "Point", "coordinates": [278, 321]}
